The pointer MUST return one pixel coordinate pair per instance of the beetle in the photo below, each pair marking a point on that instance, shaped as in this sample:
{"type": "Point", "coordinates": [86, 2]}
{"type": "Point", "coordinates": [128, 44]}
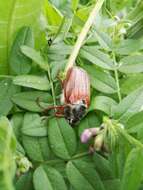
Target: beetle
{"type": "Point", "coordinates": [75, 98]}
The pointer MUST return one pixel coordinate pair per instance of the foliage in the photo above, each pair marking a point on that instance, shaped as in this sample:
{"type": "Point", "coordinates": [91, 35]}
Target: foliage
{"type": "Point", "coordinates": [14, 15]}
{"type": "Point", "coordinates": [46, 152]}
{"type": "Point", "coordinates": [7, 150]}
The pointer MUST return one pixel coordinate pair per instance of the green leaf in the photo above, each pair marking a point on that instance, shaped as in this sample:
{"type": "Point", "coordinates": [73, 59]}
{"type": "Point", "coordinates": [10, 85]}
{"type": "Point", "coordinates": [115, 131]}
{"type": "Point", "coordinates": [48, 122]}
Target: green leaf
{"type": "Point", "coordinates": [24, 182]}
{"type": "Point", "coordinates": [135, 31]}
{"type": "Point", "coordinates": [82, 176]}
{"type": "Point", "coordinates": [115, 6]}
{"type": "Point", "coordinates": [19, 149]}
{"type": "Point", "coordinates": [129, 46]}
{"type": "Point", "coordinates": [53, 15]}
{"type": "Point", "coordinates": [37, 148]}
{"type": "Point", "coordinates": [97, 57]}
{"type": "Point", "coordinates": [35, 56]}
{"type": "Point", "coordinates": [75, 4]}
{"type": "Point", "coordinates": [101, 80]}
{"type": "Point", "coordinates": [62, 138]}
{"type": "Point", "coordinates": [104, 168]}
{"type": "Point", "coordinates": [16, 122]}
{"type": "Point", "coordinates": [103, 39]}
{"type": "Point", "coordinates": [19, 63]}
{"type": "Point", "coordinates": [13, 15]}
{"type": "Point", "coordinates": [32, 81]}
{"type": "Point", "coordinates": [112, 184]}
{"type": "Point", "coordinates": [64, 29]}
{"type": "Point", "coordinates": [82, 15]}
{"type": "Point", "coordinates": [56, 67]}
{"type": "Point", "coordinates": [61, 48]}
{"type": "Point", "coordinates": [130, 105]}
{"type": "Point", "coordinates": [135, 123]}
{"type": "Point", "coordinates": [136, 12]}
{"type": "Point", "coordinates": [7, 90]}
{"type": "Point", "coordinates": [46, 177]}
{"type": "Point", "coordinates": [132, 175]}
{"type": "Point", "coordinates": [7, 150]}
{"type": "Point", "coordinates": [131, 64]}
{"type": "Point", "coordinates": [90, 121]}
{"type": "Point", "coordinates": [33, 125]}
{"type": "Point", "coordinates": [136, 80]}
{"type": "Point", "coordinates": [103, 103]}
{"type": "Point", "coordinates": [28, 100]}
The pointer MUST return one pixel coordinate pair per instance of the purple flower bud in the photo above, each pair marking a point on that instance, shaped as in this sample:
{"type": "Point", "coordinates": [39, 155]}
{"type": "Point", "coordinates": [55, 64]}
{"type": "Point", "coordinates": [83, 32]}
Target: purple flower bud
{"type": "Point", "coordinates": [87, 134]}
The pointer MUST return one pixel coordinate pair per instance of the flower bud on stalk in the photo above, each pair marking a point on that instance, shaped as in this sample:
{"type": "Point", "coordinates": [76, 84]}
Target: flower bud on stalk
{"type": "Point", "coordinates": [88, 134]}
{"type": "Point", "coordinates": [98, 142]}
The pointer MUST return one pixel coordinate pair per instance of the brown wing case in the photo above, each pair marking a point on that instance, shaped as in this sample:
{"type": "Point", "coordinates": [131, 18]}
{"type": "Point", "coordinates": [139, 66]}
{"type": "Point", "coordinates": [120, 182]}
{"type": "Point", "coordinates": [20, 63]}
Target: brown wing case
{"type": "Point", "coordinates": [77, 86]}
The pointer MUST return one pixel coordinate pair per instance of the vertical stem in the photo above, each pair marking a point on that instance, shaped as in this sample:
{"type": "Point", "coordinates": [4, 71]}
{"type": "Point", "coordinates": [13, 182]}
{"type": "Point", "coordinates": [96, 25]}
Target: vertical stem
{"type": "Point", "coordinates": [52, 87]}
{"type": "Point", "coordinates": [51, 81]}
{"type": "Point", "coordinates": [83, 34]}
{"type": "Point", "coordinates": [117, 77]}
{"type": "Point", "coordinates": [115, 70]}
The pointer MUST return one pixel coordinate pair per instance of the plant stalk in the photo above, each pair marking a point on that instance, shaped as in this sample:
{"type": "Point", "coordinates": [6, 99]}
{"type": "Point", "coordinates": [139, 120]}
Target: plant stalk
{"type": "Point", "coordinates": [80, 155]}
{"type": "Point", "coordinates": [83, 34]}
{"type": "Point", "coordinates": [77, 156]}
{"type": "Point", "coordinates": [51, 82]}
{"type": "Point", "coordinates": [115, 62]}
{"type": "Point", "coordinates": [117, 77]}
{"type": "Point", "coordinates": [52, 86]}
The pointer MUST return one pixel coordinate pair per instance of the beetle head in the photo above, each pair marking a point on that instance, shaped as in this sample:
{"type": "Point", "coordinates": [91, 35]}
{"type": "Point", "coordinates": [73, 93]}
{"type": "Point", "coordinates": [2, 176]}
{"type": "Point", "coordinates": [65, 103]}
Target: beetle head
{"type": "Point", "coordinates": [74, 112]}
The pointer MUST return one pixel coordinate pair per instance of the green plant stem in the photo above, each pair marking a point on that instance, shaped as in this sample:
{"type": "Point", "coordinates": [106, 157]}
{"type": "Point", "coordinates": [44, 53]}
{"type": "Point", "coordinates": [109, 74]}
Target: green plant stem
{"type": "Point", "coordinates": [52, 86]}
{"type": "Point", "coordinates": [115, 62]}
{"type": "Point", "coordinates": [77, 156]}
{"type": "Point", "coordinates": [50, 81]}
{"type": "Point", "coordinates": [80, 155]}
{"type": "Point", "coordinates": [116, 71]}
{"type": "Point", "coordinates": [117, 77]}
{"type": "Point", "coordinates": [83, 34]}
{"type": "Point", "coordinates": [56, 161]}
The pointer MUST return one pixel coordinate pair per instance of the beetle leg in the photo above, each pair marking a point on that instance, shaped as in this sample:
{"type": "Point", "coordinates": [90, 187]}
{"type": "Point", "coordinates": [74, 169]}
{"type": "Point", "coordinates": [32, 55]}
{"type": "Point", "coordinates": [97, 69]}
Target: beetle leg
{"type": "Point", "coordinates": [44, 110]}
{"type": "Point", "coordinates": [50, 107]}
{"type": "Point", "coordinates": [59, 115]}
{"type": "Point", "coordinates": [56, 108]}
{"type": "Point", "coordinates": [60, 111]}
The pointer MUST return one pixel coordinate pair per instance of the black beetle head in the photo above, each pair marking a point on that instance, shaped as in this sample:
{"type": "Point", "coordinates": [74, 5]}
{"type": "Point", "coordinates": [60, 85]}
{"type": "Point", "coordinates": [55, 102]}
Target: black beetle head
{"type": "Point", "coordinates": [74, 112]}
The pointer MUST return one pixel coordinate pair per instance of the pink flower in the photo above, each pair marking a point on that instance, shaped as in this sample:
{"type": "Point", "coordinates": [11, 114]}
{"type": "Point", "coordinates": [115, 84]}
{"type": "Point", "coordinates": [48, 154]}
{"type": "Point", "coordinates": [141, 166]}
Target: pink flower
{"type": "Point", "coordinates": [88, 134]}
{"type": "Point", "coordinates": [85, 136]}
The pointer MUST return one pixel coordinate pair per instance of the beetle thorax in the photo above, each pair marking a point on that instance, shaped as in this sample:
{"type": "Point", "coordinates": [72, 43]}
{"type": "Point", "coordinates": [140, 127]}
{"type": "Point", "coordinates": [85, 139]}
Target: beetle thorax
{"type": "Point", "coordinates": [74, 112]}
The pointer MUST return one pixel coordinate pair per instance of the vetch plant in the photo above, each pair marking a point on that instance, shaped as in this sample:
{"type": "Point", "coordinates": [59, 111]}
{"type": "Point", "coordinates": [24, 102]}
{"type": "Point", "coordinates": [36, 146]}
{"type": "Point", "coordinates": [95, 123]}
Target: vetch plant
{"type": "Point", "coordinates": [88, 133]}
{"type": "Point", "coordinates": [91, 53]}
